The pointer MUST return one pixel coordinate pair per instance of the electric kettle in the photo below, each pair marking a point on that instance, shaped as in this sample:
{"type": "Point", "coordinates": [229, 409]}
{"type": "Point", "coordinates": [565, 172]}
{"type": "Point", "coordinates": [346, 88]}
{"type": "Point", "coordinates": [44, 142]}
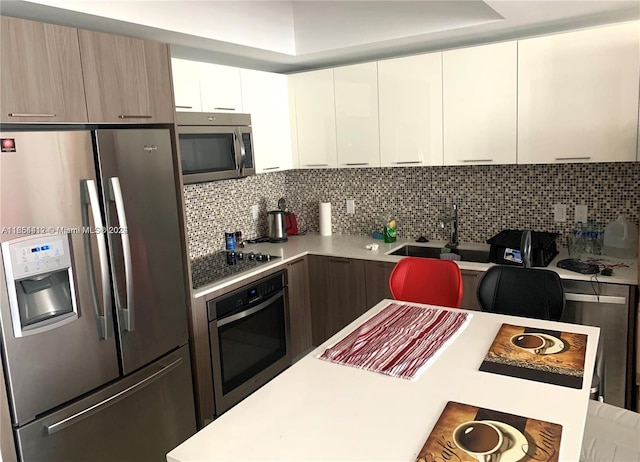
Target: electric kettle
{"type": "Point", "coordinates": [276, 222]}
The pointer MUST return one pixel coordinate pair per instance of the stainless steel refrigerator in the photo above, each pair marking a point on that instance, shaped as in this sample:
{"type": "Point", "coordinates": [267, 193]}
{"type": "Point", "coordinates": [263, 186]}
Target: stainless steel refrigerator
{"type": "Point", "coordinates": [93, 298]}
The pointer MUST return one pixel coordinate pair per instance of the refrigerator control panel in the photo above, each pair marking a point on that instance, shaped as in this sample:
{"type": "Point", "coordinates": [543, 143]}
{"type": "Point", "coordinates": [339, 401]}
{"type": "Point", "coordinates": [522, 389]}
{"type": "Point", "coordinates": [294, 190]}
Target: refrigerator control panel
{"type": "Point", "coordinates": [37, 255]}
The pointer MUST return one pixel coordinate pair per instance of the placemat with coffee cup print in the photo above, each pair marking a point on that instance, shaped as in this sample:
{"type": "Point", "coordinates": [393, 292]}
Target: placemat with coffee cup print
{"type": "Point", "coordinates": [541, 355]}
{"type": "Point", "coordinates": [468, 433]}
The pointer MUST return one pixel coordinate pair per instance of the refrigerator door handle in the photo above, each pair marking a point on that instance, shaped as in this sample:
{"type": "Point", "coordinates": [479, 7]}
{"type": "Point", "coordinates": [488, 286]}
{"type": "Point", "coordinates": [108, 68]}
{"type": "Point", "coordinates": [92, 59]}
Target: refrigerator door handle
{"type": "Point", "coordinates": [126, 314]}
{"type": "Point", "coordinates": [78, 416]}
{"type": "Point", "coordinates": [90, 198]}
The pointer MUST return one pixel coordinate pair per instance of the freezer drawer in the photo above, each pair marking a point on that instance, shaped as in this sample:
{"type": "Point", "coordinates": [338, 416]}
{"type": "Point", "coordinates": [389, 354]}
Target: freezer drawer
{"type": "Point", "coordinates": [140, 418]}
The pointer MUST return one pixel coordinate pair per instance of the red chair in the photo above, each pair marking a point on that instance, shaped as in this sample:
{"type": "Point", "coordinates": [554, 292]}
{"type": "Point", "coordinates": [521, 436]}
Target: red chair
{"type": "Point", "coordinates": [427, 280]}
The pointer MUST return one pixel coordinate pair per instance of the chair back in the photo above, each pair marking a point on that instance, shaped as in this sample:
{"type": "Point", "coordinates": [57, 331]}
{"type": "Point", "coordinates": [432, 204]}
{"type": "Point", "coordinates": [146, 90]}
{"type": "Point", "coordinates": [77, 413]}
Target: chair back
{"type": "Point", "coordinates": [427, 280]}
{"type": "Point", "coordinates": [527, 292]}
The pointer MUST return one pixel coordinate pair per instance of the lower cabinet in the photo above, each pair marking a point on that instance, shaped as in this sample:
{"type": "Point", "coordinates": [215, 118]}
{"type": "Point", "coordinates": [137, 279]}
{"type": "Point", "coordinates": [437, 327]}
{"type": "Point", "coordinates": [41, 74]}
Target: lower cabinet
{"type": "Point", "coordinates": [299, 307]}
{"type": "Point", "coordinates": [377, 281]}
{"type": "Point", "coordinates": [470, 281]}
{"type": "Point", "coordinates": [338, 295]}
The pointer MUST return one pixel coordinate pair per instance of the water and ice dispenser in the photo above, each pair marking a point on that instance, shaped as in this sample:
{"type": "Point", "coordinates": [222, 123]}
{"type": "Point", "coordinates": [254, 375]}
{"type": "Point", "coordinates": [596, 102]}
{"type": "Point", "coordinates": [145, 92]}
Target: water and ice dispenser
{"type": "Point", "coordinates": [39, 277]}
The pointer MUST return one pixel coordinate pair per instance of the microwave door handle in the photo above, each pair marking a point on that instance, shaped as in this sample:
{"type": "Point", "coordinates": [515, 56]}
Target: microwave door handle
{"type": "Point", "coordinates": [239, 150]}
{"type": "Point", "coordinates": [126, 314]}
{"type": "Point", "coordinates": [90, 199]}
{"type": "Point", "coordinates": [243, 153]}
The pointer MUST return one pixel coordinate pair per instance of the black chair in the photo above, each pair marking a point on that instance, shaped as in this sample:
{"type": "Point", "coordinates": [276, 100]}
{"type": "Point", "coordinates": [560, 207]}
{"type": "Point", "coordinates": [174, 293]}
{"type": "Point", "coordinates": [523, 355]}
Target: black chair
{"type": "Point", "coordinates": [527, 292]}
{"type": "Point", "coordinates": [530, 293]}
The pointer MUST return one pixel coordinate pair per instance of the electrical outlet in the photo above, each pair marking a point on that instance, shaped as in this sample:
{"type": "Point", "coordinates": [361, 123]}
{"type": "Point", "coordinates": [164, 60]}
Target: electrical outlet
{"type": "Point", "coordinates": [351, 206]}
{"type": "Point", "coordinates": [559, 212]}
{"type": "Point", "coordinates": [254, 211]}
{"type": "Point", "coordinates": [581, 213]}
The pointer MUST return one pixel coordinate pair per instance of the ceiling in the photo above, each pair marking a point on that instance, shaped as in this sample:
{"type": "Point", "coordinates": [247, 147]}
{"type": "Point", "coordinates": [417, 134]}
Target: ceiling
{"type": "Point", "coordinates": [288, 36]}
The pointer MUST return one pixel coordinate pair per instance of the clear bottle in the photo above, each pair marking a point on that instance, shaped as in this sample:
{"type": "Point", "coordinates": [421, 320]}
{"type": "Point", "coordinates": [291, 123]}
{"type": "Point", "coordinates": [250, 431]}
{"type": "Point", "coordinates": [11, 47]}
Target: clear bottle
{"type": "Point", "coordinates": [589, 236]}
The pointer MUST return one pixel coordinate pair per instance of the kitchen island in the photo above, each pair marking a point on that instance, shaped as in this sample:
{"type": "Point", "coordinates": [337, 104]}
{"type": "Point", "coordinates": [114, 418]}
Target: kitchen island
{"type": "Point", "coordinates": [321, 411]}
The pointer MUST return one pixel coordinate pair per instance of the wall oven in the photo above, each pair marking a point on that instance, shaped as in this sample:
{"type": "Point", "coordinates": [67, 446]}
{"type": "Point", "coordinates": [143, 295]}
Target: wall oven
{"type": "Point", "coordinates": [249, 335]}
{"type": "Point", "coordinates": [215, 146]}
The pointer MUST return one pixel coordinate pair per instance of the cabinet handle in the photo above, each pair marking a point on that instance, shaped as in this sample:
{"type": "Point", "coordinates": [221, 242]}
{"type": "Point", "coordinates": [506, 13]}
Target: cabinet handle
{"type": "Point", "coordinates": [340, 260]}
{"type": "Point", "coordinates": [29, 114]}
{"type": "Point", "coordinates": [571, 297]}
{"type": "Point", "coordinates": [184, 107]}
{"type": "Point", "coordinates": [270, 168]}
{"type": "Point", "coordinates": [574, 158]}
{"type": "Point", "coordinates": [225, 108]}
{"type": "Point", "coordinates": [407, 162]}
{"type": "Point", "coordinates": [477, 160]}
{"type": "Point", "coordinates": [316, 165]}
{"type": "Point", "coordinates": [358, 163]}
{"type": "Point", "coordinates": [134, 116]}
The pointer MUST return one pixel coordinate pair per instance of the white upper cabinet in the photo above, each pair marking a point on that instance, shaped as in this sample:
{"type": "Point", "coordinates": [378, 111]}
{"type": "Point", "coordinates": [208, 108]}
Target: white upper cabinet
{"type": "Point", "coordinates": [295, 162]}
{"type": "Point", "coordinates": [316, 119]}
{"type": "Point", "coordinates": [220, 88]}
{"type": "Point", "coordinates": [479, 98]}
{"type": "Point", "coordinates": [265, 96]}
{"type": "Point", "coordinates": [186, 85]}
{"type": "Point", "coordinates": [356, 99]}
{"type": "Point", "coordinates": [410, 107]}
{"type": "Point", "coordinates": [578, 96]}
{"type": "Point", "coordinates": [206, 87]}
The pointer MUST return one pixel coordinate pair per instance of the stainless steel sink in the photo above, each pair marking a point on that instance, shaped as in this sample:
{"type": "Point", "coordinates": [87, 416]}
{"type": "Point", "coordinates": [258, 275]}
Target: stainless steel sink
{"type": "Point", "coordinates": [477, 256]}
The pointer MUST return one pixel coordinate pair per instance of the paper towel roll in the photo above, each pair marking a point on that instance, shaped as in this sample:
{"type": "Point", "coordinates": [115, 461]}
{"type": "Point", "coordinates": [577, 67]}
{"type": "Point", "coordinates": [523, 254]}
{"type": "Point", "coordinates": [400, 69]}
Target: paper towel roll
{"type": "Point", "coordinates": [325, 218]}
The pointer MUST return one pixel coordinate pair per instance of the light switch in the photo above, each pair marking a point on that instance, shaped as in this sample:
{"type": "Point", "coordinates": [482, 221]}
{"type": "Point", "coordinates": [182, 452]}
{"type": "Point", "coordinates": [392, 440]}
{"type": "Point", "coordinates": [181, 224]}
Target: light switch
{"type": "Point", "coordinates": [254, 211]}
{"type": "Point", "coordinates": [581, 213]}
{"type": "Point", "coordinates": [559, 212]}
{"type": "Point", "coordinates": [351, 206]}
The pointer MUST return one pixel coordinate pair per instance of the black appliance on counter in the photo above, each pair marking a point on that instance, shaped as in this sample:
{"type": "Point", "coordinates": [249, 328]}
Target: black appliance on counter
{"type": "Point", "coordinates": [219, 265]}
{"type": "Point", "coordinates": [506, 248]}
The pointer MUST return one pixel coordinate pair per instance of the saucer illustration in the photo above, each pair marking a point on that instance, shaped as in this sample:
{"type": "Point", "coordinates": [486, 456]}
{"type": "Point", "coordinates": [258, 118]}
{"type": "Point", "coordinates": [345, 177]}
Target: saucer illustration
{"type": "Point", "coordinates": [516, 439]}
{"type": "Point", "coordinates": [554, 344]}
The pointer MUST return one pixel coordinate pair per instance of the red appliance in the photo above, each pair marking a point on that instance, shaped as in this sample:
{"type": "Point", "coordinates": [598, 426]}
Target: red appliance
{"type": "Point", "coordinates": [291, 223]}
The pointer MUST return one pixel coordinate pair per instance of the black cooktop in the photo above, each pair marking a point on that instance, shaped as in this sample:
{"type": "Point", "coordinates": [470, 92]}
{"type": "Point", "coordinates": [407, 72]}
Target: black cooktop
{"type": "Point", "coordinates": [219, 265]}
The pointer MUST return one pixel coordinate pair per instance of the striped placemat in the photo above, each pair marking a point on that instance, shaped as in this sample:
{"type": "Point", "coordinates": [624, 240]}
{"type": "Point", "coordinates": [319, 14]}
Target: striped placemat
{"type": "Point", "coordinates": [401, 340]}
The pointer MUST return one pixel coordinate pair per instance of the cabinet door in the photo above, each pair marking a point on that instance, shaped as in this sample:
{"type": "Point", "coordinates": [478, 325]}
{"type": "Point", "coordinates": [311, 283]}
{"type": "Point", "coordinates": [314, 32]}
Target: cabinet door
{"type": "Point", "coordinates": [410, 100]}
{"type": "Point", "coordinates": [126, 79]}
{"type": "Point", "coordinates": [338, 294]}
{"type": "Point", "coordinates": [578, 96]}
{"type": "Point", "coordinates": [316, 119]}
{"type": "Point", "coordinates": [41, 73]}
{"type": "Point", "coordinates": [186, 85]}
{"type": "Point", "coordinates": [265, 96]}
{"type": "Point", "coordinates": [470, 281]}
{"type": "Point", "coordinates": [377, 275]}
{"type": "Point", "coordinates": [356, 99]}
{"type": "Point", "coordinates": [299, 308]}
{"type": "Point", "coordinates": [220, 88]}
{"type": "Point", "coordinates": [479, 93]}
{"type": "Point", "coordinates": [295, 163]}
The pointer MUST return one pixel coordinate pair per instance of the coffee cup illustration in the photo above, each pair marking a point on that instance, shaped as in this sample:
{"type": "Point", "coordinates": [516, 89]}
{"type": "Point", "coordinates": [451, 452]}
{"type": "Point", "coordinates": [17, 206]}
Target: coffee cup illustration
{"type": "Point", "coordinates": [530, 342]}
{"type": "Point", "coordinates": [480, 440]}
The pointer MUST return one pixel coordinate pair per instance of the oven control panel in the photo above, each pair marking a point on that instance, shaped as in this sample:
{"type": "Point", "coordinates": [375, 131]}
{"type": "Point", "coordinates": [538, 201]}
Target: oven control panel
{"type": "Point", "coordinates": [245, 297]}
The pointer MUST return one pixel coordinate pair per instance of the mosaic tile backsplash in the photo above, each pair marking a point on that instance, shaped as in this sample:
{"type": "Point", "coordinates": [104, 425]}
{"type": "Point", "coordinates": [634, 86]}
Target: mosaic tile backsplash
{"type": "Point", "coordinates": [490, 198]}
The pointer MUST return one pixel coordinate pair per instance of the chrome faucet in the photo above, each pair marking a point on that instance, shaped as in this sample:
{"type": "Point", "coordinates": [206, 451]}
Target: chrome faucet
{"type": "Point", "coordinates": [453, 220]}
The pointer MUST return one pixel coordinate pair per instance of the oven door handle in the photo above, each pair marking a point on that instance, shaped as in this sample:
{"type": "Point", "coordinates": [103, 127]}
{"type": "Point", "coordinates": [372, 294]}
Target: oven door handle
{"type": "Point", "coordinates": [250, 311]}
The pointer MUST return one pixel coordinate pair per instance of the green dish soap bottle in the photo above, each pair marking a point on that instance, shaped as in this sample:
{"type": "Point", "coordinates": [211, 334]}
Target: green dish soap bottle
{"type": "Point", "coordinates": [390, 231]}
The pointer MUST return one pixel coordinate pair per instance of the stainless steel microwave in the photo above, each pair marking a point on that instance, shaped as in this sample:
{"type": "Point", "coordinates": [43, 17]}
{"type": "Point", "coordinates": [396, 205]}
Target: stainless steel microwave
{"type": "Point", "coordinates": [215, 146]}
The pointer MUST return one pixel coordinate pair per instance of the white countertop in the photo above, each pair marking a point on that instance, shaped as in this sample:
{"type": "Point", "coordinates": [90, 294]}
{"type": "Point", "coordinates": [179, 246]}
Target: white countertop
{"type": "Point", "coordinates": [353, 246]}
{"type": "Point", "coordinates": [321, 411]}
